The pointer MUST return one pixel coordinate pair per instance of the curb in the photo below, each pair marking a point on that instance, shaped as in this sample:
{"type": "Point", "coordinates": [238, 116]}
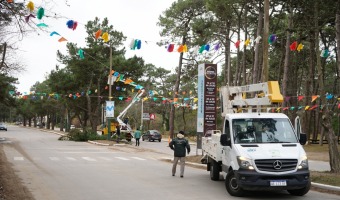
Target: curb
{"type": "Point", "coordinates": [326, 187]}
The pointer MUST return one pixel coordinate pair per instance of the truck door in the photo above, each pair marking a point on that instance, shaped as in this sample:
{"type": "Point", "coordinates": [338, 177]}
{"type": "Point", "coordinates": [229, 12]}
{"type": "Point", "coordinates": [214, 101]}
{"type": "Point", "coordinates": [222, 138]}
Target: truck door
{"type": "Point", "coordinates": [226, 160]}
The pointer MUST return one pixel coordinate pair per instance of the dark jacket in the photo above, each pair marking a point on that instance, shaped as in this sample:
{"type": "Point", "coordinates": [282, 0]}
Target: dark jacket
{"type": "Point", "coordinates": [180, 145]}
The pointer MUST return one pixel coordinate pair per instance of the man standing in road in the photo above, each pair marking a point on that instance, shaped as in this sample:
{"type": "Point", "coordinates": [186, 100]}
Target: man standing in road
{"type": "Point", "coordinates": [118, 132]}
{"type": "Point", "coordinates": [179, 145]}
{"type": "Point", "coordinates": [137, 136]}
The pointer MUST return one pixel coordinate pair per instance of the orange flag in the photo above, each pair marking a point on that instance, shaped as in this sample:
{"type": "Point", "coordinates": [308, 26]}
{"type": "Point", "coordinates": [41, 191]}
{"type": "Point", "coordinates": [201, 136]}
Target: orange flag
{"type": "Point", "coordinates": [62, 39]}
{"type": "Point", "coordinates": [98, 33]}
{"type": "Point", "coordinates": [314, 97]}
{"type": "Point", "coordinates": [128, 81]}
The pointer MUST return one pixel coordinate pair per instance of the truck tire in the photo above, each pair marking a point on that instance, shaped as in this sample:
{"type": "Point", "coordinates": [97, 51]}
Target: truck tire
{"type": "Point", "coordinates": [231, 185]}
{"type": "Point", "coordinates": [214, 171]}
{"type": "Point", "coordinates": [300, 192]}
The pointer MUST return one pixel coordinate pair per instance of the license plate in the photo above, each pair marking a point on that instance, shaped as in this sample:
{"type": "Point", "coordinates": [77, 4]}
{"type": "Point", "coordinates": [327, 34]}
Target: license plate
{"type": "Point", "coordinates": [278, 183]}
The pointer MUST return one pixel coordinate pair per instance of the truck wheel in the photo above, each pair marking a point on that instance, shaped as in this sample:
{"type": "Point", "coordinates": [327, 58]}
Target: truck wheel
{"type": "Point", "coordinates": [300, 192]}
{"type": "Point", "coordinates": [214, 171]}
{"type": "Point", "coordinates": [231, 185]}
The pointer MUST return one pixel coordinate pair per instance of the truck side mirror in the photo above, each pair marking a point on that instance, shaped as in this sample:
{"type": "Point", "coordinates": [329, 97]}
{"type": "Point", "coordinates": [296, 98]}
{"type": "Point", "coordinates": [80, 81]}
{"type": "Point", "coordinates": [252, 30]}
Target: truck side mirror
{"type": "Point", "coordinates": [303, 138]}
{"type": "Point", "coordinates": [224, 140]}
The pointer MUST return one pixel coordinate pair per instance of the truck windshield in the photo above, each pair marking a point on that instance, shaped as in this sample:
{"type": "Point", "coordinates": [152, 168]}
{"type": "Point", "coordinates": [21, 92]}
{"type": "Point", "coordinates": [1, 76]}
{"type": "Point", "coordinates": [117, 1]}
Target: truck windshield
{"type": "Point", "coordinates": [263, 130]}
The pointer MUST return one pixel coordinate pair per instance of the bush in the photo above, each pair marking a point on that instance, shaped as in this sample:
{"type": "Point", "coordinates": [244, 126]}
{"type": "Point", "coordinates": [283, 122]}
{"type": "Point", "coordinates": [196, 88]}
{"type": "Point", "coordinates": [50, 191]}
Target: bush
{"type": "Point", "coordinates": [79, 135]}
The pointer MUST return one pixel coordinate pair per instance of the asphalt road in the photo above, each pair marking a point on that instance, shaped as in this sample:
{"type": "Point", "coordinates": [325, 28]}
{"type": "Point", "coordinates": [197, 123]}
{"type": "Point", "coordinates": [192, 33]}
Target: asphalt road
{"type": "Point", "coordinates": [58, 170]}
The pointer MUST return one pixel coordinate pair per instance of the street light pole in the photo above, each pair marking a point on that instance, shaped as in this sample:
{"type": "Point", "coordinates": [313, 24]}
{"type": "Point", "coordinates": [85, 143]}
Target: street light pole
{"type": "Point", "coordinates": [141, 120]}
{"type": "Point", "coordinates": [110, 96]}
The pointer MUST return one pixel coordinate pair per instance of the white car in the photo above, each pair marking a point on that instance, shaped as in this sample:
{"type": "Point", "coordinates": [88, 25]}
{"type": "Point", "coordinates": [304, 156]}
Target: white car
{"type": "Point", "coordinates": [3, 126]}
{"type": "Point", "coordinates": [72, 127]}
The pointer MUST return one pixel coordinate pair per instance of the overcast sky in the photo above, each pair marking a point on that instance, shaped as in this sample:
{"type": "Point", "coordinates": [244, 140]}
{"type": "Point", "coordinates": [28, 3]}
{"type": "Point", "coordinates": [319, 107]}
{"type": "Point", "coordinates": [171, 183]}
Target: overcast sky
{"type": "Point", "coordinates": [135, 18]}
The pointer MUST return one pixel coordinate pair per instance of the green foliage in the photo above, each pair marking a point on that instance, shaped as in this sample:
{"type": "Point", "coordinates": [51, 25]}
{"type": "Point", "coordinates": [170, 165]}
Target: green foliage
{"type": "Point", "coordinates": [88, 134]}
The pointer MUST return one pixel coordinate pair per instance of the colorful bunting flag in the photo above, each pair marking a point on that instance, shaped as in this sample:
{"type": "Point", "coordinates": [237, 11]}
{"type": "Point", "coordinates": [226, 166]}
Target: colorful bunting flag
{"type": "Point", "coordinates": [40, 13]}
{"type": "Point", "coordinates": [293, 46]}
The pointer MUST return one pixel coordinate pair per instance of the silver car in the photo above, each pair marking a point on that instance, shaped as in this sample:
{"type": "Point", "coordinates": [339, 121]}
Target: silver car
{"type": "Point", "coordinates": [3, 126]}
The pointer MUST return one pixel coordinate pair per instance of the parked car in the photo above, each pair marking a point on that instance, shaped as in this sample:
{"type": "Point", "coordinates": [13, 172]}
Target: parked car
{"type": "Point", "coordinates": [72, 126]}
{"type": "Point", "coordinates": [152, 135]}
{"type": "Point", "coordinates": [3, 126]}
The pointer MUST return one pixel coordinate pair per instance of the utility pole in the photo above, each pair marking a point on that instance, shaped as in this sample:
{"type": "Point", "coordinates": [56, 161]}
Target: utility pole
{"type": "Point", "coordinates": [265, 69]}
{"type": "Point", "coordinates": [108, 119]}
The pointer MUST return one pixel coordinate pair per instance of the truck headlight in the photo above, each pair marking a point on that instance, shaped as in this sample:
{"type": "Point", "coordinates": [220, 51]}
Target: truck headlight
{"type": "Point", "coordinates": [244, 163]}
{"type": "Point", "coordinates": [304, 163]}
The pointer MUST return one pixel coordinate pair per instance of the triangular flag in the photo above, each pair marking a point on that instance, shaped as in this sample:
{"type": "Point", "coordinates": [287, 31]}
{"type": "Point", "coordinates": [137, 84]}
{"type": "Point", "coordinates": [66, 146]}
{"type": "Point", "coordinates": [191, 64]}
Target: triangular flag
{"type": "Point", "coordinates": [128, 81]}
{"type": "Point", "coordinates": [314, 97]}
{"type": "Point", "coordinates": [312, 108]}
{"type": "Point", "coordinates": [207, 47]}
{"type": "Point", "coordinates": [287, 99]}
{"type": "Point", "coordinates": [139, 44]}
{"type": "Point", "coordinates": [329, 96]}
{"type": "Point", "coordinates": [293, 46]}
{"type": "Point", "coordinates": [105, 37]}
{"type": "Point", "coordinates": [185, 48]}
{"type": "Point", "coordinates": [272, 38]}
{"type": "Point", "coordinates": [180, 49]}
{"type": "Point", "coordinates": [54, 33]}
{"type": "Point", "coordinates": [42, 25]}
{"type": "Point", "coordinates": [201, 49]}
{"type": "Point", "coordinates": [257, 40]}
{"type": "Point", "coordinates": [98, 34]}
{"type": "Point", "coordinates": [40, 13]}
{"type": "Point", "coordinates": [62, 39]}
{"type": "Point", "coordinates": [217, 46]}
{"type": "Point", "coordinates": [27, 18]}
{"type": "Point", "coordinates": [246, 43]}
{"type": "Point", "coordinates": [132, 44]}
{"type": "Point", "coordinates": [171, 47]}
{"type": "Point", "coordinates": [237, 43]}
{"type": "Point", "coordinates": [300, 98]}
{"type": "Point", "coordinates": [300, 47]}
{"type": "Point", "coordinates": [307, 107]}
{"type": "Point", "coordinates": [81, 54]}
{"type": "Point", "coordinates": [30, 6]}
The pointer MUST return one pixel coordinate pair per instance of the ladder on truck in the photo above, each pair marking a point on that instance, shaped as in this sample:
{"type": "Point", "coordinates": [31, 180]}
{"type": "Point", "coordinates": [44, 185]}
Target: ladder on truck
{"type": "Point", "coordinates": [135, 99]}
{"type": "Point", "coordinates": [249, 97]}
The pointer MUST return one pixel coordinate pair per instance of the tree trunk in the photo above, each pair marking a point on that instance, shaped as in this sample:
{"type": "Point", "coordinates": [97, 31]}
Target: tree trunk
{"type": "Point", "coordinates": [227, 74]}
{"type": "Point", "coordinates": [334, 156]}
{"type": "Point", "coordinates": [257, 45]}
{"type": "Point", "coordinates": [265, 66]}
{"type": "Point", "coordinates": [286, 64]}
{"type": "Point", "coordinates": [176, 89]}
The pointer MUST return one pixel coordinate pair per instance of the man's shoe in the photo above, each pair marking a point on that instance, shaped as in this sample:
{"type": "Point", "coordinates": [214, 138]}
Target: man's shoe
{"type": "Point", "coordinates": [173, 175]}
{"type": "Point", "coordinates": [181, 176]}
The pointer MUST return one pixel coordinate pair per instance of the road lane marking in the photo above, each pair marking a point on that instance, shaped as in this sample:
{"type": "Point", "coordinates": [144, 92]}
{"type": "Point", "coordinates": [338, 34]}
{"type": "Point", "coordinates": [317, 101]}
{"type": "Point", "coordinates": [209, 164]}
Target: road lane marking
{"type": "Point", "coordinates": [122, 158]}
{"type": "Point", "coordinates": [106, 159]}
{"type": "Point", "coordinates": [70, 158]}
{"type": "Point", "coordinates": [137, 158]}
{"type": "Point", "coordinates": [54, 158]}
{"type": "Point", "coordinates": [89, 159]}
{"type": "Point", "coordinates": [18, 158]}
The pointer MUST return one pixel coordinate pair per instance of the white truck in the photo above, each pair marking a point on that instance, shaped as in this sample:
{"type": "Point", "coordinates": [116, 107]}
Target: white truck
{"type": "Point", "coordinates": [258, 149]}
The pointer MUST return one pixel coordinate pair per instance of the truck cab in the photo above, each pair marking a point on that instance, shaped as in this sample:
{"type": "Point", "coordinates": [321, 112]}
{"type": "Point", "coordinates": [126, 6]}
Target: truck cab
{"type": "Point", "coordinates": [261, 151]}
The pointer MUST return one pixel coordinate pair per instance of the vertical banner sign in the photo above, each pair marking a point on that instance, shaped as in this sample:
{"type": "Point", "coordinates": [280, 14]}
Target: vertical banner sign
{"type": "Point", "coordinates": [207, 91]}
{"type": "Point", "coordinates": [200, 104]}
{"type": "Point", "coordinates": [110, 107]}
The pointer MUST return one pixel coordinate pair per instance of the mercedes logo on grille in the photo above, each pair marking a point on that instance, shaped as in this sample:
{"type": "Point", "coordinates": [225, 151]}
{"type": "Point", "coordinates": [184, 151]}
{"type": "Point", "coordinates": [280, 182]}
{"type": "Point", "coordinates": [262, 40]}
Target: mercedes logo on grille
{"type": "Point", "coordinates": [277, 164]}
